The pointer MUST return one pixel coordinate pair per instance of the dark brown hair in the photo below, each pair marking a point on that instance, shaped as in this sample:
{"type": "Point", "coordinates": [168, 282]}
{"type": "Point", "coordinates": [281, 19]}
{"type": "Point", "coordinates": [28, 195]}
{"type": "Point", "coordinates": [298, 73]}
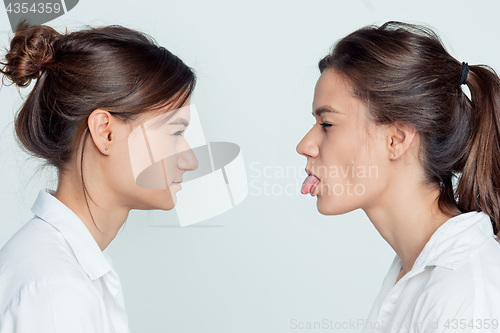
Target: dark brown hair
{"type": "Point", "coordinates": [114, 68]}
{"type": "Point", "coordinates": [404, 74]}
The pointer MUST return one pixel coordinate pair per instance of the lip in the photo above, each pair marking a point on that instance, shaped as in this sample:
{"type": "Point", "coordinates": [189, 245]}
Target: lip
{"type": "Point", "coordinates": [178, 184]}
{"type": "Point", "coordinates": [309, 173]}
{"type": "Point", "coordinates": [315, 190]}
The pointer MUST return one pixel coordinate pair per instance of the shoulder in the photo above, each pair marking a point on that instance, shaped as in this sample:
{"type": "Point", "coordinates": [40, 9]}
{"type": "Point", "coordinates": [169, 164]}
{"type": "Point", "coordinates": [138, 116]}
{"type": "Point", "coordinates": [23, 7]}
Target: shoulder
{"type": "Point", "coordinates": [68, 290]}
{"type": "Point", "coordinates": [33, 236]}
{"type": "Point", "coordinates": [446, 293]}
{"type": "Point", "coordinates": [37, 246]}
{"type": "Point", "coordinates": [471, 290]}
{"type": "Point", "coordinates": [35, 252]}
{"type": "Point", "coordinates": [55, 305]}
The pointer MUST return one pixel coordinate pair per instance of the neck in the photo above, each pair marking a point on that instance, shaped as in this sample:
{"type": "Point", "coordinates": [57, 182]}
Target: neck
{"type": "Point", "coordinates": [109, 216]}
{"type": "Point", "coordinates": [406, 216]}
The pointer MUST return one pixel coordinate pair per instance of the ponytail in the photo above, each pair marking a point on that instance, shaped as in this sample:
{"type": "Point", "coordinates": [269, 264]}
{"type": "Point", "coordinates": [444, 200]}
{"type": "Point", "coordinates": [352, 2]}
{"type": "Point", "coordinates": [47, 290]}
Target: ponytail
{"type": "Point", "coordinates": [479, 185]}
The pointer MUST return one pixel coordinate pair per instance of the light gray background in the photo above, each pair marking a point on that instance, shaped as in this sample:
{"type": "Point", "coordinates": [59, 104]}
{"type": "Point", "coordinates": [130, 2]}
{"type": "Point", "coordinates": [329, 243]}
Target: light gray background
{"type": "Point", "coordinates": [273, 258]}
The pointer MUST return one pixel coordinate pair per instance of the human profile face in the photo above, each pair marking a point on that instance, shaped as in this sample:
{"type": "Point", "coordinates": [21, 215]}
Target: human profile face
{"type": "Point", "coordinates": [154, 156]}
{"type": "Point", "coordinates": [344, 150]}
{"type": "Point", "coordinates": [165, 137]}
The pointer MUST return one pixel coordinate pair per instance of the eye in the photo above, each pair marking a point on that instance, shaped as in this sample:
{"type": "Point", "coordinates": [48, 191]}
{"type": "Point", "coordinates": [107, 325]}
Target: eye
{"type": "Point", "coordinates": [178, 133]}
{"type": "Point", "coordinates": [325, 125]}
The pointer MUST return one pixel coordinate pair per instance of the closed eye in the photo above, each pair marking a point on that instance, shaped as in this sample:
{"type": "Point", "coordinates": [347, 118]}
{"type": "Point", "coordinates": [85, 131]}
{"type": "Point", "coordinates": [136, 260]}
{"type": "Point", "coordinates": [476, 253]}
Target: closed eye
{"type": "Point", "coordinates": [324, 125]}
{"type": "Point", "coordinates": [178, 133]}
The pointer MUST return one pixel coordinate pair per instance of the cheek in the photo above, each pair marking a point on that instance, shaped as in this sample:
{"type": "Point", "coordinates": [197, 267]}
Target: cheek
{"type": "Point", "coordinates": [171, 169]}
{"type": "Point", "coordinates": [340, 148]}
{"type": "Point", "coordinates": [372, 166]}
{"type": "Point", "coordinates": [119, 168]}
{"type": "Point", "coordinates": [171, 161]}
{"type": "Point", "coordinates": [163, 145]}
{"type": "Point", "coordinates": [350, 158]}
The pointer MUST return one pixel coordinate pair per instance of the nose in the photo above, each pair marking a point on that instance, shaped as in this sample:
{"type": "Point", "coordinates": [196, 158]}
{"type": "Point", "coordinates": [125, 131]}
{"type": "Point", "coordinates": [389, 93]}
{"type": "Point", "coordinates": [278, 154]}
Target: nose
{"type": "Point", "coordinates": [307, 146]}
{"type": "Point", "coordinates": [186, 158]}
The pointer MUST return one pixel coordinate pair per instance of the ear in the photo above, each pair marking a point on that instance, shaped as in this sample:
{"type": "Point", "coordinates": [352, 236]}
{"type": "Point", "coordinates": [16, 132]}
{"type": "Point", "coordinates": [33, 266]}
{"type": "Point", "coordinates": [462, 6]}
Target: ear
{"type": "Point", "coordinates": [100, 125]}
{"type": "Point", "coordinates": [399, 139]}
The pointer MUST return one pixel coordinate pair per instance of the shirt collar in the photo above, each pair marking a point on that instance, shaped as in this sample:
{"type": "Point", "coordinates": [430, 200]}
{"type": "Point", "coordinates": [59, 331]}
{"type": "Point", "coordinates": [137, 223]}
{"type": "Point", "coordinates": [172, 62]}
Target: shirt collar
{"type": "Point", "coordinates": [454, 240]}
{"type": "Point", "coordinates": [87, 251]}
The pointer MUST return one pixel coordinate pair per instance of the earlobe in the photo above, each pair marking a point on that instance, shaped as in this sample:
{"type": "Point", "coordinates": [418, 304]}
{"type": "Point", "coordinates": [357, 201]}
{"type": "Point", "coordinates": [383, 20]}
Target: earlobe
{"type": "Point", "coordinates": [100, 129]}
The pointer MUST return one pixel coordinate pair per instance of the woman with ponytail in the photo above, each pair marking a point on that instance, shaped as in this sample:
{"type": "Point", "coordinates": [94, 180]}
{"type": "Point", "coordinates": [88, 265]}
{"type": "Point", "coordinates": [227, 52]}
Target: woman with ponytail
{"type": "Point", "coordinates": [92, 88]}
{"type": "Point", "coordinates": [392, 104]}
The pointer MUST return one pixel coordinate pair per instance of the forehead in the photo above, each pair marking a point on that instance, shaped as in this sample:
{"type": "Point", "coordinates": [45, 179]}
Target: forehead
{"type": "Point", "coordinates": [183, 112]}
{"type": "Point", "coordinates": [166, 115]}
{"type": "Point", "coordinates": [334, 90]}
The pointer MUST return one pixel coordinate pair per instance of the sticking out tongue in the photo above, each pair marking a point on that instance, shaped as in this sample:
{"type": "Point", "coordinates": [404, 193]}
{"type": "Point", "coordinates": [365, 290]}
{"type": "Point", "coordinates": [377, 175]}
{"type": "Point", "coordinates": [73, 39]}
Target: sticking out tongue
{"type": "Point", "coordinates": [308, 184]}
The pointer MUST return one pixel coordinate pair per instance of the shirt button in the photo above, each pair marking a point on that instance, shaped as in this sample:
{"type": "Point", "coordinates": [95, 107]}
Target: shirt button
{"type": "Point", "coordinates": [394, 300]}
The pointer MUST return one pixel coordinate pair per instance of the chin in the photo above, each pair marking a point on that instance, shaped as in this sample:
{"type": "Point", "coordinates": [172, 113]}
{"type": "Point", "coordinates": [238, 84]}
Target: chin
{"type": "Point", "coordinates": [324, 209]}
{"type": "Point", "coordinates": [168, 202]}
{"type": "Point", "coordinates": [167, 207]}
{"type": "Point", "coordinates": [161, 199]}
{"type": "Point", "coordinates": [172, 203]}
{"type": "Point", "coordinates": [332, 206]}
{"type": "Point", "coordinates": [322, 205]}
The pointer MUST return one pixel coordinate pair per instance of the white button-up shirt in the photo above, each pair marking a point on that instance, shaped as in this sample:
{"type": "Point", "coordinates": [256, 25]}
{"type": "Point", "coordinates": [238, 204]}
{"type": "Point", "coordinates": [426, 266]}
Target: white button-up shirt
{"type": "Point", "coordinates": [55, 278]}
{"type": "Point", "coordinates": [453, 286]}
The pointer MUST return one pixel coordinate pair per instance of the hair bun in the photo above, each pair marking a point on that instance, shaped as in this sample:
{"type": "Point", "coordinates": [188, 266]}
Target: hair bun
{"type": "Point", "coordinates": [31, 49]}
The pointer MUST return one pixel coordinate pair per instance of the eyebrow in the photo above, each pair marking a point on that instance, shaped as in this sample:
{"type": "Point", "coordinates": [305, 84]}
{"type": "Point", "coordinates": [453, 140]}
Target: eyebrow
{"type": "Point", "coordinates": [180, 121]}
{"type": "Point", "coordinates": [324, 109]}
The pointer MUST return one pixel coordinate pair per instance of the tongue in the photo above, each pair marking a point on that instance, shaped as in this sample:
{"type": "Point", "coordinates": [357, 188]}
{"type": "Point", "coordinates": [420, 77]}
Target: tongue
{"type": "Point", "coordinates": [308, 184]}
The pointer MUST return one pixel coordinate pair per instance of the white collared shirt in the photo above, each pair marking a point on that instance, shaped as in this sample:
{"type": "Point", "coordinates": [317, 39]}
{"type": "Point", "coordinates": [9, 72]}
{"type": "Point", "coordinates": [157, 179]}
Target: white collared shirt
{"type": "Point", "coordinates": [453, 286]}
{"type": "Point", "coordinates": [55, 278]}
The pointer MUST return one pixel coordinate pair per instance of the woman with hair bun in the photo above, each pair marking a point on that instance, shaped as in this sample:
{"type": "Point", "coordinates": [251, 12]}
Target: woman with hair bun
{"type": "Point", "coordinates": [93, 87]}
{"type": "Point", "coordinates": [422, 160]}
